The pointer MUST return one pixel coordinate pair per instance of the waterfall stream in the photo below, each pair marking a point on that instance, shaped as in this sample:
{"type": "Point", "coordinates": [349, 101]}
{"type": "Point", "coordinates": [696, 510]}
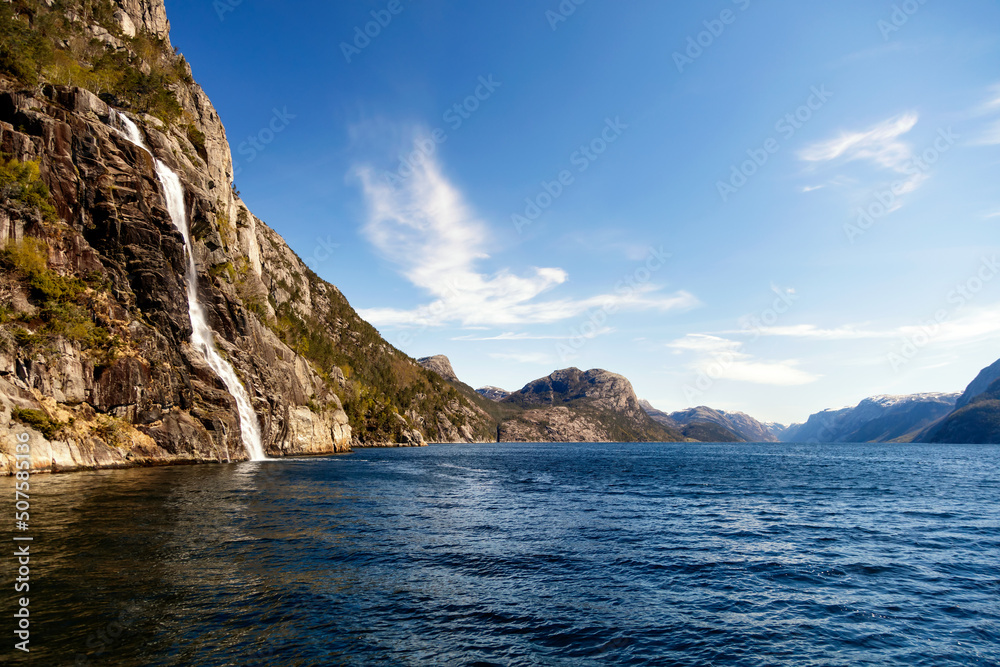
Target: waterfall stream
{"type": "Point", "coordinates": [201, 333]}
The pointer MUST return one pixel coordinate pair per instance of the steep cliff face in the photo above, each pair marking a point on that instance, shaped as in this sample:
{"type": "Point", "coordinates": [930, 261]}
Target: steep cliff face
{"type": "Point", "coordinates": [441, 365]}
{"type": "Point", "coordinates": [95, 358]}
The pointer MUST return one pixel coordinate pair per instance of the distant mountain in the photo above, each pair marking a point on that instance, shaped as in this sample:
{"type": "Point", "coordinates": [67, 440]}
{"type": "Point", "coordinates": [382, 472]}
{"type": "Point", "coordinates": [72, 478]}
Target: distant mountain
{"type": "Point", "coordinates": [976, 418]}
{"type": "Point", "coordinates": [709, 425]}
{"type": "Point", "coordinates": [493, 393]}
{"type": "Point", "coordinates": [571, 405]}
{"type": "Point", "coordinates": [875, 419]}
{"type": "Point", "coordinates": [775, 429]}
{"type": "Point", "coordinates": [441, 365]}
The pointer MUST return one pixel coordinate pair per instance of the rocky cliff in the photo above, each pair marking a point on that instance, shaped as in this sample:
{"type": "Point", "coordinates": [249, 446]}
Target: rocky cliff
{"type": "Point", "coordinates": [441, 365]}
{"type": "Point", "coordinates": [571, 405]}
{"type": "Point", "coordinates": [95, 358]}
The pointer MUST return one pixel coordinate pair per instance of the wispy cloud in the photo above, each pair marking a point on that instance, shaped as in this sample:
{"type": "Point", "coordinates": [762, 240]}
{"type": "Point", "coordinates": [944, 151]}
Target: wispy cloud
{"type": "Point", "coordinates": [426, 228]}
{"type": "Point", "coordinates": [525, 336]}
{"type": "Point", "coordinates": [724, 359]}
{"type": "Point", "coordinates": [811, 331]}
{"type": "Point", "coordinates": [990, 135]}
{"type": "Point", "coordinates": [975, 325]}
{"type": "Point", "coordinates": [536, 358]}
{"type": "Point", "coordinates": [880, 144]}
{"type": "Point", "coordinates": [992, 103]}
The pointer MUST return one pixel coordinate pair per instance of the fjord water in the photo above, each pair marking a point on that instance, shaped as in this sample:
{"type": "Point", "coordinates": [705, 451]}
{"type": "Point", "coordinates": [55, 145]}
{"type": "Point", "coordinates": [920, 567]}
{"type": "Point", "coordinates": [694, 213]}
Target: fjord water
{"type": "Point", "coordinates": [526, 554]}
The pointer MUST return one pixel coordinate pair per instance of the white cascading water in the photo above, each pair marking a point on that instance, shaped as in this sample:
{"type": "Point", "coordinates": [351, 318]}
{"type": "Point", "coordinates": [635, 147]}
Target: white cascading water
{"type": "Point", "coordinates": [201, 334]}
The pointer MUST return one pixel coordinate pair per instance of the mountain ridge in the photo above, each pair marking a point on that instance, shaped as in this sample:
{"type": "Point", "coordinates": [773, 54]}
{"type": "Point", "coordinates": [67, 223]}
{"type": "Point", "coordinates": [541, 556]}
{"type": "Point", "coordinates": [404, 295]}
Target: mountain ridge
{"type": "Point", "coordinates": [879, 418]}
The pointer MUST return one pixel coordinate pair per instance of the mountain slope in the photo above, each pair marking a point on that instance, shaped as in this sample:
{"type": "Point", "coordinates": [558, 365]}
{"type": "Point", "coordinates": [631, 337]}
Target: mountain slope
{"type": "Point", "coordinates": [493, 393]}
{"type": "Point", "coordinates": [705, 424]}
{"type": "Point", "coordinates": [976, 418]}
{"type": "Point", "coordinates": [743, 427]}
{"type": "Point", "coordinates": [980, 385]}
{"type": "Point", "coordinates": [571, 405]}
{"type": "Point", "coordinates": [875, 419]}
{"type": "Point", "coordinates": [95, 355]}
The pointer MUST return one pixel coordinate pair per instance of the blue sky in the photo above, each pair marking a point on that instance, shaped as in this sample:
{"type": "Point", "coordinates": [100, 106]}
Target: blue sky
{"type": "Point", "coordinates": [770, 207]}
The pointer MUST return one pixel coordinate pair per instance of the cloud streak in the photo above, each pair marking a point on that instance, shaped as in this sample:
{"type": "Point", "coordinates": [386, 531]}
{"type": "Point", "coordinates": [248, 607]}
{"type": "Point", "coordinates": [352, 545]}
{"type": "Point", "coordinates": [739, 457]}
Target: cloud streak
{"type": "Point", "coordinates": [723, 359]}
{"type": "Point", "coordinates": [881, 145]}
{"type": "Point", "coordinates": [426, 228]}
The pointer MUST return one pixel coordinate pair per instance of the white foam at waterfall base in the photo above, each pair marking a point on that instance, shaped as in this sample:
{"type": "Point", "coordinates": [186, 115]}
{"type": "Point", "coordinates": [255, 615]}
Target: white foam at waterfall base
{"type": "Point", "coordinates": [201, 333]}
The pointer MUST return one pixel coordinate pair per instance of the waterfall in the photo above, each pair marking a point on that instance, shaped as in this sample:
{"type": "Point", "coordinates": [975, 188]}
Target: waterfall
{"type": "Point", "coordinates": [201, 333]}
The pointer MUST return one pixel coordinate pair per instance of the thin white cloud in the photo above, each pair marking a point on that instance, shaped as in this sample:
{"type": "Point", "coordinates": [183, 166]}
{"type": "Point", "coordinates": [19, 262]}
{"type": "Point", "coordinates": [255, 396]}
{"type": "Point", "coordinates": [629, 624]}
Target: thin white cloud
{"type": "Point", "coordinates": [976, 325]}
{"type": "Point", "coordinates": [724, 359]}
{"type": "Point", "coordinates": [425, 227]}
{"type": "Point", "coordinates": [992, 104]}
{"type": "Point", "coordinates": [509, 335]}
{"type": "Point", "coordinates": [536, 358]}
{"type": "Point", "coordinates": [990, 136]}
{"type": "Point", "coordinates": [880, 144]}
{"type": "Point", "coordinates": [847, 332]}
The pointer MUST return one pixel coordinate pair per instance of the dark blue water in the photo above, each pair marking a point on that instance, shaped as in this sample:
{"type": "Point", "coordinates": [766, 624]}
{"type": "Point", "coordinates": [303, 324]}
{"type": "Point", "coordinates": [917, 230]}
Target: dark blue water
{"type": "Point", "coordinates": [526, 555]}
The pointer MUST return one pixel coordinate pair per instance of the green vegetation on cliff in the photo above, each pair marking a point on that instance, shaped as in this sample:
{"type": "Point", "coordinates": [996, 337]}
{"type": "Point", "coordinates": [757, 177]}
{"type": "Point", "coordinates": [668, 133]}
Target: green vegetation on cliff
{"type": "Point", "coordinates": [58, 306]}
{"type": "Point", "coordinates": [21, 186]}
{"type": "Point", "coordinates": [382, 383]}
{"type": "Point", "coordinates": [40, 44]}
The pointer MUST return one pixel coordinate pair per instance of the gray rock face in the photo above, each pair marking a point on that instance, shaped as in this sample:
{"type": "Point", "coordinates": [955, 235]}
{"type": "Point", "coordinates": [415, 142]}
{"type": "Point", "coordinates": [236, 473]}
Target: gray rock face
{"type": "Point", "coordinates": [599, 388]}
{"type": "Point", "coordinates": [441, 365]}
{"type": "Point", "coordinates": [576, 406]}
{"type": "Point", "coordinates": [558, 424]}
{"type": "Point", "coordinates": [145, 16]}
